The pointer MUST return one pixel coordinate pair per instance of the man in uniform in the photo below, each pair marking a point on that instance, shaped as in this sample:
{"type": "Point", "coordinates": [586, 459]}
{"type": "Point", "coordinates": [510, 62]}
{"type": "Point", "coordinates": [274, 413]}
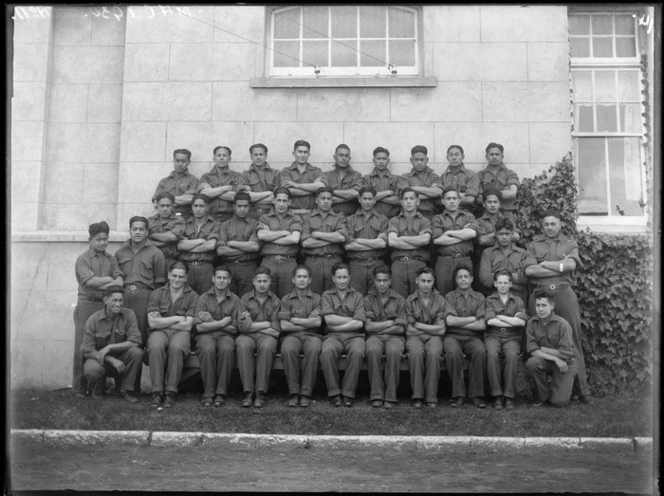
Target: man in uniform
{"type": "Point", "coordinates": [384, 183]}
{"type": "Point", "coordinates": [323, 237]}
{"type": "Point", "coordinates": [302, 179]}
{"type": "Point", "coordinates": [259, 181]}
{"type": "Point", "coordinates": [238, 245]}
{"type": "Point", "coordinates": [457, 177]}
{"type": "Point", "coordinates": [300, 318]}
{"type": "Point", "coordinates": [179, 183]}
{"type": "Point", "coordinates": [219, 185]}
{"type": "Point", "coordinates": [216, 327]}
{"type": "Point", "coordinates": [344, 181]}
{"type": "Point", "coordinates": [408, 236]}
{"type": "Point", "coordinates": [385, 310]}
{"type": "Point", "coordinates": [557, 258]}
{"type": "Point", "coordinates": [497, 176]}
{"type": "Point", "coordinates": [422, 180]}
{"type": "Point", "coordinates": [111, 346]}
{"type": "Point", "coordinates": [166, 228]}
{"type": "Point", "coordinates": [96, 270]}
{"type": "Point", "coordinates": [279, 232]}
{"type": "Point", "coordinates": [171, 314]}
{"type": "Point", "coordinates": [367, 241]}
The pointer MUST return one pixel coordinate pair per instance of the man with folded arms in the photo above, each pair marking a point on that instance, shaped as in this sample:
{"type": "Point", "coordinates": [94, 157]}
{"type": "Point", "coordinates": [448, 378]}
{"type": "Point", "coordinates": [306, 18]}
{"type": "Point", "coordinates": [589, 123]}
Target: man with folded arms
{"type": "Point", "coordinates": [302, 179]}
{"type": "Point", "coordinates": [344, 181]}
{"type": "Point", "coordinates": [166, 228]}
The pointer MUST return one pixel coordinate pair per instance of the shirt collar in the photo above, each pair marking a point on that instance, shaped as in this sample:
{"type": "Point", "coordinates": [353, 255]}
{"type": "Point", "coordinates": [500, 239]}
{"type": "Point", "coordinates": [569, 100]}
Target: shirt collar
{"type": "Point", "coordinates": [376, 172]}
{"type": "Point", "coordinates": [427, 170]}
{"type": "Point", "coordinates": [458, 170]}
{"type": "Point", "coordinates": [307, 166]}
{"type": "Point", "coordinates": [178, 175]}
{"type": "Point", "coordinates": [252, 167]}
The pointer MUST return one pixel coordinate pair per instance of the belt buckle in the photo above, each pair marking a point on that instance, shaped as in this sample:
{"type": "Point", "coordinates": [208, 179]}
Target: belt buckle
{"type": "Point", "coordinates": [552, 287]}
{"type": "Point", "coordinates": [405, 259]}
{"type": "Point", "coordinates": [279, 257]}
{"type": "Point", "coordinates": [132, 287]}
{"type": "Point", "coordinates": [503, 330]}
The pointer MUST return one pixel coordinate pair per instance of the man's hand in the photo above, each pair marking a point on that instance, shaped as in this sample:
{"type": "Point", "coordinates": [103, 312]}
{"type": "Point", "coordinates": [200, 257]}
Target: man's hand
{"type": "Point", "coordinates": [314, 314]}
{"type": "Point", "coordinates": [269, 332]}
{"type": "Point", "coordinates": [116, 363]}
{"type": "Point", "coordinates": [562, 365]}
{"type": "Point", "coordinates": [101, 354]}
{"type": "Point", "coordinates": [287, 183]}
{"type": "Point", "coordinates": [205, 317]}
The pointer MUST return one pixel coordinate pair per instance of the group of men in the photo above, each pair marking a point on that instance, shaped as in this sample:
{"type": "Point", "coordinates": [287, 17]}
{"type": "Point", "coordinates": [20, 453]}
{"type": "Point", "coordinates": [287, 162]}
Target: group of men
{"type": "Point", "coordinates": [237, 265]}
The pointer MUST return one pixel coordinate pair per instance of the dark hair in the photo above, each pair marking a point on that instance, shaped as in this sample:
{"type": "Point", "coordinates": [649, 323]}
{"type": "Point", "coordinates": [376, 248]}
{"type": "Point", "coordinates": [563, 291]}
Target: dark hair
{"type": "Point", "coordinates": [262, 269]}
{"type": "Point", "coordinates": [456, 146]}
{"type": "Point", "coordinates": [502, 272]}
{"type": "Point", "coordinates": [408, 190]}
{"type": "Point", "coordinates": [224, 147]}
{"type": "Point", "coordinates": [342, 145]}
{"type": "Point", "coordinates": [113, 289]}
{"type": "Point", "coordinates": [300, 143]}
{"type": "Point", "coordinates": [183, 151]}
{"type": "Point", "coordinates": [178, 264]}
{"type": "Point", "coordinates": [424, 270]}
{"type": "Point", "coordinates": [449, 189]}
{"type": "Point", "coordinates": [242, 195]}
{"type": "Point", "coordinates": [282, 191]}
{"type": "Point", "coordinates": [381, 269]}
{"type": "Point", "coordinates": [462, 266]}
{"type": "Point", "coordinates": [419, 149]}
{"type": "Point", "coordinates": [551, 213]}
{"type": "Point", "coordinates": [494, 145]}
{"type": "Point", "coordinates": [223, 268]}
{"type": "Point", "coordinates": [98, 227]}
{"type": "Point", "coordinates": [495, 192]}
{"type": "Point", "coordinates": [367, 189]}
{"type": "Point", "coordinates": [201, 196]}
{"type": "Point", "coordinates": [325, 189]}
{"type": "Point", "coordinates": [302, 267]}
{"type": "Point", "coordinates": [504, 223]}
{"type": "Point", "coordinates": [380, 149]}
{"type": "Point", "coordinates": [138, 218]}
{"type": "Point", "coordinates": [163, 195]}
{"type": "Point", "coordinates": [338, 266]}
{"type": "Point", "coordinates": [257, 145]}
{"type": "Point", "coordinates": [544, 293]}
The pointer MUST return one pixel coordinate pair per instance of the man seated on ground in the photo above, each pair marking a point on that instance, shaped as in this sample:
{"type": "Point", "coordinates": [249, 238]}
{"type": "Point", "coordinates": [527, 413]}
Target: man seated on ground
{"type": "Point", "coordinates": [258, 326]}
{"type": "Point", "coordinates": [300, 317]}
{"type": "Point", "coordinates": [171, 311]}
{"type": "Point", "coordinates": [549, 343]}
{"type": "Point", "coordinates": [425, 310]}
{"type": "Point", "coordinates": [343, 311]}
{"type": "Point", "coordinates": [166, 228]}
{"type": "Point", "coordinates": [111, 346]}
{"type": "Point", "coordinates": [385, 328]}
{"type": "Point", "coordinates": [216, 328]}
{"type": "Point", "coordinates": [302, 179]}
{"type": "Point", "coordinates": [505, 320]}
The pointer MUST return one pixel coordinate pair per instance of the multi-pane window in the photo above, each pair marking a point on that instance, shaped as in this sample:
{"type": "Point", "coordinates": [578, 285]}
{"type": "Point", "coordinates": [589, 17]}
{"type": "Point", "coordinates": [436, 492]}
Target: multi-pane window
{"type": "Point", "coordinates": [344, 41]}
{"type": "Point", "coordinates": [608, 122]}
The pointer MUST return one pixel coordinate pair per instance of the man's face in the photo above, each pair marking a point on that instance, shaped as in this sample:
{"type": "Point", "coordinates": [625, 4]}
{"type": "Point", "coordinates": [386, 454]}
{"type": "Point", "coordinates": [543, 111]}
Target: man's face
{"type": "Point", "coordinates": [425, 283]}
{"type": "Point", "coordinates": [543, 307]}
{"type": "Point", "coordinates": [342, 157]}
{"type": "Point", "coordinates": [419, 161]}
{"type": "Point", "coordinates": [114, 303]}
{"type": "Point", "coordinates": [455, 157]}
{"type": "Point", "coordinates": [382, 281]}
{"type": "Point", "coordinates": [302, 279]}
{"type": "Point", "coordinates": [494, 156]}
{"type": "Point", "coordinates": [410, 202]}
{"type": "Point", "coordinates": [504, 237]}
{"type": "Point", "coordinates": [381, 160]}
{"type": "Point", "coordinates": [463, 279]}
{"type": "Point", "coordinates": [262, 283]}
{"type": "Point", "coordinates": [180, 162]}
{"type": "Point", "coordinates": [258, 157]}
{"type": "Point", "coordinates": [199, 208]}
{"type": "Point", "coordinates": [324, 201]}
{"type": "Point", "coordinates": [367, 201]}
{"type": "Point", "coordinates": [492, 204]}
{"type": "Point", "coordinates": [221, 157]}
{"type": "Point", "coordinates": [165, 208]}
{"type": "Point", "coordinates": [99, 242]}
{"type": "Point", "coordinates": [502, 284]}
{"type": "Point", "coordinates": [341, 279]}
{"type": "Point", "coordinates": [301, 154]}
{"type": "Point", "coordinates": [451, 201]}
{"type": "Point", "coordinates": [221, 280]}
{"type": "Point", "coordinates": [177, 278]}
{"type": "Point", "coordinates": [241, 208]}
{"type": "Point", "coordinates": [551, 226]}
{"type": "Point", "coordinates": [138, 232]}
{"type": "Point", "coordinates": [281, 203]}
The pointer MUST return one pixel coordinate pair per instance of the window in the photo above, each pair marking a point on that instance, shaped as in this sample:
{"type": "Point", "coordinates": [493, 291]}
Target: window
{"type": "Point", "coordinates": [313, 41]}
{"type": "Point", "coordinates": [608, 106]}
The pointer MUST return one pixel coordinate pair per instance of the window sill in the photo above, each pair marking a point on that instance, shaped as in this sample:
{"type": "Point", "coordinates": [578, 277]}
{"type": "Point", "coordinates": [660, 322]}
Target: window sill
{"type": "Point", "coordinates": [345, 82]}
{"type": "Point", "coordinates": [613, 224]}
{"type": "Point", "coordinates": [63, 237]}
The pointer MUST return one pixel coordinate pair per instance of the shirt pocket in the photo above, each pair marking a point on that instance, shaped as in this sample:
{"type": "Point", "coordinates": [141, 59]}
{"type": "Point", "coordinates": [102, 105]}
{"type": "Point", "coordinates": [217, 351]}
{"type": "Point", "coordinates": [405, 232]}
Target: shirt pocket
{"type": "Point", "coordinates": [145, 269]}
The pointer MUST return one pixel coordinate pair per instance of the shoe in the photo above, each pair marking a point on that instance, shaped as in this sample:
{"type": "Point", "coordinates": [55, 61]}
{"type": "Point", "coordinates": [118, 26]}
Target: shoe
{"type": "Point", "coordinates": [248, 400]}
{"type": "Point", "coordinates": [260, 400]}
{"type": "Point", "coordinates": [305, 401]}
{"type": "Point", "coordinates": [417, 403]}
{"type": "Point", "coordinates": [206, 402]}
{"type": "Point", "coordinates": [457, 402]}
{"type": "Point", "coordinates": [169, 400]}
{"type": "Point", "coordinates": [497, 403]}
{"type": "Point", "coordinates": [348, 402]}
{"type": "Point", "coordinates": [586, 400]}
{"type": "Point", "coordinates": [219, 400]}
{"type": "Point", "coordinates": [377, 403]}
{"type": "Point", "coordinates": [389, 404]}
{"type": "Point", "coordinates": [538, 404]}
{"type": "Point", "coordinates": [129, 397]}
{"type": "Point", "coordinates": [293, 401]}
{"type": "Point", "coordinates": [509, 404]}
{"type": "Point", "coordinates": [336, 401]}
{"type": "Point", "coordinates": [478, 403]}
{"type": "Point", "coordinates": [432, 404]}
{"type": "Point", "coordinates": [98, 393]}
{"type": "Point", "coordinates": [156, 400]}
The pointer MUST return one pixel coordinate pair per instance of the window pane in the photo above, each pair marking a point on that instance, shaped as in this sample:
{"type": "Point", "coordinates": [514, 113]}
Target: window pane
{"type": "Point", "coordinates": [315, 53]}
{"type": "Point", "coordinates": [344, 54]}
{"type": "Point", "coordinates": [315, 21]}
{"type": "Point", "coordinates": [585, 121]}
{"type": "Point", "coordinates": [372, 22]}
{"type": "Point", "coordinates": [602, 24]}
{"type": "Point", "coordinates": [602, 47]}
{"type": "Point", "coordinates": [344, 22]}
{"type": "Point", "coordinates": [625, 24]}
{"type": "Point", "coordinates": [580, 47]}
{"type": "Point", "coordinates": [373, 53]}
{"type": "Point", "coordinates": [579, 24]}
{"type": "Point", "coordinates": [582, 86]}
{"type": "Point", "coordinates": [630, 118]}
{"type": "Point", "coordinates": [591, 165]}
{"type": "Point", "coordinates": [605, 86]}
{"type": "Point", "coordinates": [629, 86]}
{"type": "Point", "coordinates": [286, 54]}
{"type": "Point", "coordinates": [402, 53]}
{"type": "Point", "coordinates": [625, 47]}
{"type": "Point", "coordinates": [625, 172]}
{"type": "Point", "coordinates": [402, 23]}
{"type": "Point", "coordinates": [606, 118]}
{"type": "Point", "coordinates": [287, 25]}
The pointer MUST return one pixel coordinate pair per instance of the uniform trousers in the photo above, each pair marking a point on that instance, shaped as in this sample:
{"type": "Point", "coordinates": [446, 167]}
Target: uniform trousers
{"type": "Point", "coordinates": [242, 275]}
{"type": "Point", "coordinates": [403, 276]}
{"type": "Point", "coordinates": [96, 373]}
{"type": "Point", "coordinates": [215, 350]}
{"type": "Point", "coordinates": [392, 347]}
{"type": "Point", "coordinates": [334, 344]}
{"type": "Point", "coordinates": [265, 347]}
{"type": "Point", "coordinates": [282, 275]}
{"type": "Point", "coordinates": [424, 357]}
{"type": "Point", "coordinates": [321, 273]}
{"type": "Point", "coordinates": [559, 392]}
{"type": "Point", "coordinates": [361, 274]}
{"type": "Point", "coordinates": [137, 300]}
{"type": "Point", "coordinates": [301, 381]}
{"type": "Point", "coordinates": [509, 345]}
{"type": "Point", "coordinates": [167, 349]}
{"type": "Point", "coordinates": [567, 307]}
{"type": "Point", "coordinates": [84, 309]}
{"type": "Point", "coordinates": [456, 345]}
{"type": "Point", "coordinates": [200, 275]}
{"type": "Point", "coordinates": [445, 267]}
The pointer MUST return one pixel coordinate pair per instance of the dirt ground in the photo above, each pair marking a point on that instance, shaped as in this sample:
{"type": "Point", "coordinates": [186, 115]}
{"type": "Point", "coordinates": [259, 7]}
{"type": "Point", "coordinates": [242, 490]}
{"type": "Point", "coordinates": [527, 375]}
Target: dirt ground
{"type": "Point", "coordinates": [36, 467]}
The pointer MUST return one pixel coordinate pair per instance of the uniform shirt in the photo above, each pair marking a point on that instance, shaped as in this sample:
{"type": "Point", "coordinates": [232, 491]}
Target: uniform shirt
{"type": "Point", "coordinates": [237, 229]}
{"type": "Point", "coordinates": [332, 222]}
{"type": "Point", "coordinates": [261, 312]}
{"type": "Point", "coordinates": [91, 264]}
{"type": "Point", "coordinates": [553, 332]}
{"type": "Point", "coordinates": [360, 226]}
{"type": "Point", "coordinates": [427, 178]}
{"type": "Point", "coordinates": [394, 309]}
{"type": "Point", "coordinates": [444, 222]}
{"type": "Point", "coordinates": [261, 180]}
{"type": "Point", "coordinates": [553, 250]}
{"type": "Point", "coordinates": [310, 174]}
{"type": "Point", "coordinates": [352, 305]}
{"type": "Point", "coordinates": [514, 259]}
{"type": "Point", "coordinates": [288, 222]}
{"type": "Point", "coordinates": [403, 227]}
{"type": "Point", "coordinates": [352, 180]}
{"type": "Point", "coordinates": [292, 306]}
{"type": "Point", "coordinates": [174, 224]}
{"type": "Point", "coordinates": [102, 330]}
{"type": "Point", "coordinates": [184, 306]}
{"type": "Point", "coordinates": [461, 179]}
{"type": "Point", "coordinates": [178, 184]}
{"type": "Point", "coordinates": [513, 307]}
{"type": "Point", "coordinates": [219, 176]}
{"type": "Point", "coordinates": [487, 224]}
{"type": "Point", "coordinates": [383, 181]}
{"type": "Point", "coordinates": [147, 266]}
{"type": "Point", "coordinates": [228, 306]}
{"type": "Point", "coordinates": [467, 303]}
{"type": "Point", "coordinates": [208, 230]}
{"type": "Point", "coordinates": [417, 311]}
{"type": "Point", "coordinates": [501, 179]}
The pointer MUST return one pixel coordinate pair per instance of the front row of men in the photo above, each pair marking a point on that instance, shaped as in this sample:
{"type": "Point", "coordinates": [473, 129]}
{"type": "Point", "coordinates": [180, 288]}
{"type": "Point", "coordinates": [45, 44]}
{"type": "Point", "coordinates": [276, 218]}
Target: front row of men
{"type": "Point", "coordinates": [426, 326]}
